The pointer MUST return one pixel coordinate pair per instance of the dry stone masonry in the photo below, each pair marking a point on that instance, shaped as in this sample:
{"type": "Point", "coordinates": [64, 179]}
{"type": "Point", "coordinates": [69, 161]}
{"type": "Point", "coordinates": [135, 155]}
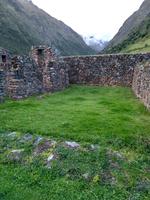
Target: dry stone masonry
{"type": "Point", "coordinates": [42, 71]}
{"type": "Point", "coordinates": [107, 70]}
{"type": "Point", "coordinates": [22, 76]}
{"type": "Point", "coordinates": [131, 70]}
{"type": "Point", "coordinates": [141, 83]}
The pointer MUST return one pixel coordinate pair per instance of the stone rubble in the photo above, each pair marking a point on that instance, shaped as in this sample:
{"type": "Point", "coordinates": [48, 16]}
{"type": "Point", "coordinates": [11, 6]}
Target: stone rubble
{"type": "Point", "coordinates": [50, 158]}
{"type": "Point", "coordinates": [12, 134]}
{"type": "Point", "coordinates": [72, 144]}
{"type": "Point", "coordinates": [26, 138]}
{"type": "Point", "coordinates": [16, 155]}
{"type": "Point", "coordinates": [38, 140]}
{"type": "Point", "coordinates": [104, 166]}
{"type": "Point", "coordinates": [44, 146]}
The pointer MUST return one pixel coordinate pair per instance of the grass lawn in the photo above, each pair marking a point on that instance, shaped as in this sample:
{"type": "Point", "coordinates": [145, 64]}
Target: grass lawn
{"type": "Point", "coordinates": [80, 113]}
{"type": "Point", "coordinates": [110, 117]}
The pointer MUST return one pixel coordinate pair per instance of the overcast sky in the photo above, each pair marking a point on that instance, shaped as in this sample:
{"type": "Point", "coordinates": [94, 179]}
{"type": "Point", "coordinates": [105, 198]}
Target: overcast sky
{"type": "Point", "coordinates": [99, 18]}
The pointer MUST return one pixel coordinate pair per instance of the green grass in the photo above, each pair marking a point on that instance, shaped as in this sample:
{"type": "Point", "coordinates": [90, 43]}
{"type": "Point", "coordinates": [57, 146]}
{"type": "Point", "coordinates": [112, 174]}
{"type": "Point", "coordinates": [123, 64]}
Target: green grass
{"type": "Point", "coordinates": [112, 117]}
{"type": "Point", "coordinates": [141, 46]}
{"type": "Point", "coordinates": [81, 113]}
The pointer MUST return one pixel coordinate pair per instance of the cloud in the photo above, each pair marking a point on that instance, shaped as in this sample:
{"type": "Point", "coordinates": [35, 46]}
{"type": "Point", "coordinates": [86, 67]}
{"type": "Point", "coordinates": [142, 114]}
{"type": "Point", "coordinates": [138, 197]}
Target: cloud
{"type": "Point", "coordinates": [101, 18]}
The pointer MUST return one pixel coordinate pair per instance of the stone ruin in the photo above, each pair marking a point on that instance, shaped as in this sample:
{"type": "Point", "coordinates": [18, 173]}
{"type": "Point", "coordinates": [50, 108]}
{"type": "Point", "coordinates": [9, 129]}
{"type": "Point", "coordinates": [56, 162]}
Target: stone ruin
{"type": "Point", "coordinates": [23, 76]}
{"type": "Point", "coordinates": [42, 71]}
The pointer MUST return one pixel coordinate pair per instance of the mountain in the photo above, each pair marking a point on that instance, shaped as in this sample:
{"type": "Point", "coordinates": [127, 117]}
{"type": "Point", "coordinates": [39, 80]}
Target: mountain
{"type": "Point", "coordinates": [96, 44]}
{"type": "Point", "coordinates": [22, 24]}
{"type": "Point", "coordinates": [134, 35]}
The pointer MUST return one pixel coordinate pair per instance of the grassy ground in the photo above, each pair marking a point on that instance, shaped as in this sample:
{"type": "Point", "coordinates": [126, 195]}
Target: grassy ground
{"type": "Point", "coordinates": [112, 118]}
{"type": "Point", "coordinates": [80, 113]}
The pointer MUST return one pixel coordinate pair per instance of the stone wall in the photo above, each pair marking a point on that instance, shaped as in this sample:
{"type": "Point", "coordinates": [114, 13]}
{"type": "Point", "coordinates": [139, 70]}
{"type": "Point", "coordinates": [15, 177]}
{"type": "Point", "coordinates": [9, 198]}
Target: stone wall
{"type": "Point", "coordinates": [2, 83]}
{"type": "Point", "coordinates": [141, 82]}
{"type": "Point", "coordinates": [52, 71]}
{"type": "Point", "coordinates": [42, 71]}
{"type": "Point", "coordinates": [102, 70]}
{"type": "Point", "coordinates": [23, 76]}
{"type": "Point", "coordinates": [4, 59]}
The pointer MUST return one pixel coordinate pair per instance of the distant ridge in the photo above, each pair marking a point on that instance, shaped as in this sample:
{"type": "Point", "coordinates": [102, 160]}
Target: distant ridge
{"type": "Point", "coordinates": [22, 24]}
{"type": "Point", "coordinates": [134, 35]}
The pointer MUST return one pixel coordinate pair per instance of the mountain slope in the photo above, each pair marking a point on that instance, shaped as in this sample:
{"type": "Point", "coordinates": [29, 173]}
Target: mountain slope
{"type": "Point", "coordinates": [134, 35]}
{"type": "Point", "coordinates": [23, 24]}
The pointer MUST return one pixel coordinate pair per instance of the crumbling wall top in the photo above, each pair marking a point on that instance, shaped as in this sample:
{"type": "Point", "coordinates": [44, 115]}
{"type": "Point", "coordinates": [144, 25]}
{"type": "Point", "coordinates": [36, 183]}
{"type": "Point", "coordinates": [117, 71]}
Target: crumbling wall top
{"type": "Point", "coordinates": [42, 53]}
